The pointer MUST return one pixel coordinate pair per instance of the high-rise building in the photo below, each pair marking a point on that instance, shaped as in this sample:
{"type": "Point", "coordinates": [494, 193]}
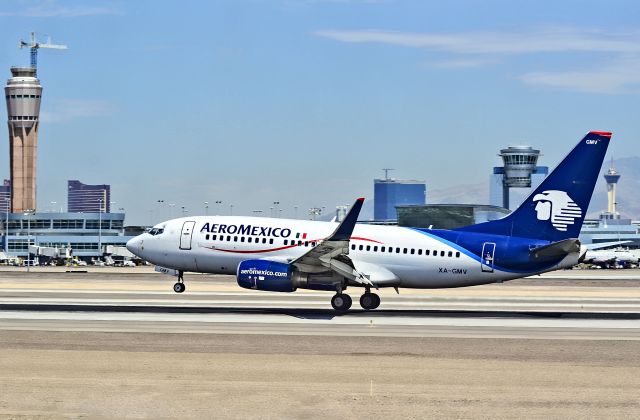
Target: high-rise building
{"type": "Point", "coordinates": [389, 193]}
{"type": "Point", "coordinates": [83, 198]}
{"type": "Point", "coordinates": [22, 93]}
{"type": "Point", "coordinates": [5, 196]}
{"type": "Point", "coordinates": [520, 171]}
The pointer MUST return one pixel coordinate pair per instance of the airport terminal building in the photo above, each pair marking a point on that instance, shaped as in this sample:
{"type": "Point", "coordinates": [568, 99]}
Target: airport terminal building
{"type": "Point", "coordinates": [88, 235]}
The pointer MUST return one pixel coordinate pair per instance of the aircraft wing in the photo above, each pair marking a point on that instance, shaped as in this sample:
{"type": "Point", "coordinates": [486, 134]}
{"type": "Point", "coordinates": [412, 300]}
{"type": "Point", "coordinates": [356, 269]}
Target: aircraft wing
{"type": "Point", "coordinates": [332, 254]}
{"type": "Point", "coordinates": [601, 245]}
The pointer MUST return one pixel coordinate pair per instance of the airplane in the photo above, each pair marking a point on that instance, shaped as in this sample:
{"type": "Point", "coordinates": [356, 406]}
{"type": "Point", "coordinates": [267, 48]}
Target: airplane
{"type": "Point", "coordinates": [282, 255]}
{"type": "Point", "coordinates": [610, 258]}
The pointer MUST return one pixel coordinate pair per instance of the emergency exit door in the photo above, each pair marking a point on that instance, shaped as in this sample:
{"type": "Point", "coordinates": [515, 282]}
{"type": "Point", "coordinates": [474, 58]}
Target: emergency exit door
{"type": "Point", "coordinates": [186, 235]}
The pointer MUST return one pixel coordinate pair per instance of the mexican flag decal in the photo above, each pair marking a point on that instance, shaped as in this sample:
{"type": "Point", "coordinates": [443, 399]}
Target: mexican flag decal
{"type": "Point", "coordinates": [301, 235]}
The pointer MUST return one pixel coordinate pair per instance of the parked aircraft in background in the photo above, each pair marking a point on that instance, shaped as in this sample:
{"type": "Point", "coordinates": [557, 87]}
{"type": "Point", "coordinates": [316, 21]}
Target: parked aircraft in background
{"type": "Point", "coordinates": [284, 255]}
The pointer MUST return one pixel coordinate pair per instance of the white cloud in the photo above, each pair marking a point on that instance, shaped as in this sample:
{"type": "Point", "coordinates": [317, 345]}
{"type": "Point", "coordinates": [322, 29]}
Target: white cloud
{"type": "Point", "coordinates": [65, 110]}
{"type": "Point", "coordinates": [463, 63]}
{"type": "Point", "coordinates": [52, 9]}
{"type": "Point", "coordinates": [620, 76]}
{"type": "Point", "coordinates": [619, 73]}
{"type": "Point", "coordinates": [541, 41]}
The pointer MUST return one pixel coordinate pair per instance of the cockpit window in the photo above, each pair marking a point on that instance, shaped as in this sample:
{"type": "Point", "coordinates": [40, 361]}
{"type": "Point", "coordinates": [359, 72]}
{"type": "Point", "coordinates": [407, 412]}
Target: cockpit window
{"type": "Point", "coordinates": [156, 231]}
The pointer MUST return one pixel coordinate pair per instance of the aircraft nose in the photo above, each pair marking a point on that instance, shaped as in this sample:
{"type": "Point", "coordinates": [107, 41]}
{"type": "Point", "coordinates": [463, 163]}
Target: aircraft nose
{"type": "Point", "coordinates": [133, 245]}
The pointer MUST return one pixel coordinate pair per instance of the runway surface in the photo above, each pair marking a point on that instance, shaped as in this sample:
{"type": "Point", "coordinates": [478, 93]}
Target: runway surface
{"type": "Point", "coordinates": [120, 343]}
{"type": "Point", "coordinates": [541, 307]}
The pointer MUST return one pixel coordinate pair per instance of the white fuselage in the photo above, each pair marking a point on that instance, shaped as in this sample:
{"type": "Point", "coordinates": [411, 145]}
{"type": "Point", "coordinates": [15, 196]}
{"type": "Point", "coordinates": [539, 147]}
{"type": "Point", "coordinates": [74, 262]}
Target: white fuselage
{"type": "Point", "coordinates": [391, 256]}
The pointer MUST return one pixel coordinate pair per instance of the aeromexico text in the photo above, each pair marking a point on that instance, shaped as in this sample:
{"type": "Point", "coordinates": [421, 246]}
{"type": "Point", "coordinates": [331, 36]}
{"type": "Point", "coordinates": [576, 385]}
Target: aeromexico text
{"type": "Point", "coordinates": [246, 230]}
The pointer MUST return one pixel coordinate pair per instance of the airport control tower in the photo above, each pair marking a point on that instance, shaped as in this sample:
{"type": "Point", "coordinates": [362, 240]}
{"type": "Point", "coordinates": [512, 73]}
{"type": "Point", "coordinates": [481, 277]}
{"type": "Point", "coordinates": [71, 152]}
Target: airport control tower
{"type": "Point", "coordinates": [520, 170]}
{"type": "Point", "coordinates": [23, 92]}
{"type": "Point", "coordinates": [612, 177]}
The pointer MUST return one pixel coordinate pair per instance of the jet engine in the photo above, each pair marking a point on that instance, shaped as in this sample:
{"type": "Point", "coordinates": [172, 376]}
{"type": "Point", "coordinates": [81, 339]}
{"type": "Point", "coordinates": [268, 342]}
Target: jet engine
{"type": "Point", "coordinates": [274, 276]}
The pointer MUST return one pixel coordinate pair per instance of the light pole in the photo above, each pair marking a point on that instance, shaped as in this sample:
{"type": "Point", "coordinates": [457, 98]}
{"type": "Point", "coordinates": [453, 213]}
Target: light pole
{"type": "Point", "coordinates": [6, 226]}
{"type": "Point", "coordinates": [182, 211]}
{"type": "Point", "coordinates": [53, 206]}
{"type": "Point", "coordinates": [160, 202]}
{"type": "Point", "coordinates": [28, 213]}
{"type": "Point", "coordinates": [218, 202]}
{"type": "Point", "coordinates": [206, 208]}
{"type": "Point", "coordinates": [295, 212]}
{"type": "Point", "coordinates": [275, 205]}
{"type": "Point", "coordinates": [270, 211]}
{"type": "Point", "coordinates": [100, 200]}
{"type": "Point", "coordinates": [171, 205]}
{"type": "Point", "coordinates": [230, 209]}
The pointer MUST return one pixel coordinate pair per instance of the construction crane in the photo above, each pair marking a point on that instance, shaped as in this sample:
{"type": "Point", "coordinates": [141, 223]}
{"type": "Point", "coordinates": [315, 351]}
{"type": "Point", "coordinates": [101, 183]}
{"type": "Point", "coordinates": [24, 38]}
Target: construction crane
{"type": "Point", "coordinates": [34, 45]}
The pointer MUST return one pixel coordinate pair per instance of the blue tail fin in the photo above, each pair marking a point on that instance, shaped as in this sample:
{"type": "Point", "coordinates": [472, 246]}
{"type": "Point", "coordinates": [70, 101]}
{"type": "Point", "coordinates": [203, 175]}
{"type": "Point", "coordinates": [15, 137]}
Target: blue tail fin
{"type": "Point", "coordinates": [556, 209]}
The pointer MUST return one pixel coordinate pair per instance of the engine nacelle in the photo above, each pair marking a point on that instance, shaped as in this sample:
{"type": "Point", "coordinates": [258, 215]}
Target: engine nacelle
{"type": "Point", "coordinates": [266, 275]}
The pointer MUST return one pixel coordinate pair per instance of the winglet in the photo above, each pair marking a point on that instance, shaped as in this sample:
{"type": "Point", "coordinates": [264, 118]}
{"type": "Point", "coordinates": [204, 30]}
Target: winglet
{"type": "Point", "coordinates": [345, 228]}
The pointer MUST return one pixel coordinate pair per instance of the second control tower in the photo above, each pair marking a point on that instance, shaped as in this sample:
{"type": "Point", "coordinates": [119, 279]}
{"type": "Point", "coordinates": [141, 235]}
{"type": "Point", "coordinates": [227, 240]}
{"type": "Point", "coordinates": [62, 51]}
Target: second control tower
{"type": "Point", "coordinates": [23, 92]}
{"type": "Point", "coordinates": [612, 177]}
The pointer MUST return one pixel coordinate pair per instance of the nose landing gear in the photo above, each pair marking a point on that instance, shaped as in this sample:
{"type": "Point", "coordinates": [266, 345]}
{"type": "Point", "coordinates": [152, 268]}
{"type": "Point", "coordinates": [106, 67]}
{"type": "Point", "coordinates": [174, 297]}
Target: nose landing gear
{"type": "Point", "coordinates": [179, 287]}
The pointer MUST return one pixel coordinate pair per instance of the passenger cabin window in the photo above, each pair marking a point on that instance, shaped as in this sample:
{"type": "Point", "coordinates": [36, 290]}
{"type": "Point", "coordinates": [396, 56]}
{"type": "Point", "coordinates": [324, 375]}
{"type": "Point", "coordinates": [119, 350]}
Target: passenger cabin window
{"type": "Point", "coordinates": [397, 250]}
{"type": "Point", "coordinates": [442, 253]}
{"type": "Point", "coordinates": [361, 247]}
{"type": "Point", "coordinates": [450, 254]}
{"type": "Point", "coordinates": [413, 251]}
{"type": "Point", "coordinates": [419, 252]}
{"type": "Point", "coordinates": [206, 236]}
{"type": "Point", "coordinates": [242, 239]}
{"type": "Point", "coordinates": [404, 251]}
{"type": "Point", "coordinates": [286, 242]}
{"type": "Point", "coordinates": [381, 249]}
{"type": "Point", "coordinates": [368, 247]}
{"type": "Point", "coordinates": [457, 255]}
{"type": "Point", "coordinates": [271, 241]}
{"type": "Point", "coordinates": [426, 252]}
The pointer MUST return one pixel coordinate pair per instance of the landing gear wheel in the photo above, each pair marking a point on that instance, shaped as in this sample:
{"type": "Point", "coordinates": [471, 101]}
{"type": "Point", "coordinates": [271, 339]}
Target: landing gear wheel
{"type": "Point", "coordinates": [369, 301]}
{"type": "Point", "coordinates": [341, 302]}
{"type": "Point", "coordinates": [179, 287]}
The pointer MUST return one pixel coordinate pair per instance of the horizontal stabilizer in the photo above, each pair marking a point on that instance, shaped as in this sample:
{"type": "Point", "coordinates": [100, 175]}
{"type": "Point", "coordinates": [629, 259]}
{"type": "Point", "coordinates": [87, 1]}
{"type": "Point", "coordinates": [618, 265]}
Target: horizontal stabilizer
{"type": "Point", "coordinates": [557, 249]}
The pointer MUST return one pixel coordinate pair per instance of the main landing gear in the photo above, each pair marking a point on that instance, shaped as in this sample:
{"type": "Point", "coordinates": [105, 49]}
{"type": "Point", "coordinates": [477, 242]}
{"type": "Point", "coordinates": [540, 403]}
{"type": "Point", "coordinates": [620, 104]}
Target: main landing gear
{"type": "Point", "coordinates": [179, 287]}
{"type": "Point", "coordinates": [369, 301]}
{"type": "Point", "coordinates": [342, 302]}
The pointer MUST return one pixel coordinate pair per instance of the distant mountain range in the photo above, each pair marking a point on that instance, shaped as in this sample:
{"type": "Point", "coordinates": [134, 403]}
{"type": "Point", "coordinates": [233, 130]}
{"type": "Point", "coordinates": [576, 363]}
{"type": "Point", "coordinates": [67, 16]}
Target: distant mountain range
{"type": "Point", "coordinates": [628, 193]}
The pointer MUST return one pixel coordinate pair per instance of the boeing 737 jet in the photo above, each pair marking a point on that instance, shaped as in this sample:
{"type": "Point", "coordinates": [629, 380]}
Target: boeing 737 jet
{"type": "Point", "coordinates": [282, 255]}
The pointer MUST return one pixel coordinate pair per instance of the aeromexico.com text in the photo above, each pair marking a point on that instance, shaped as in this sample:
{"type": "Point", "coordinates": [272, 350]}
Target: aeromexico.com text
{"type": "Point", "coordinates": [246, 230]}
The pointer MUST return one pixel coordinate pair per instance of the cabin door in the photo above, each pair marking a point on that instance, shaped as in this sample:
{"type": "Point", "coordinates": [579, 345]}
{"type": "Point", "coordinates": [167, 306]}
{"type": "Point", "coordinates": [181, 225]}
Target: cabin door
{"type": "Point", "coordinates": [488, 254]}
{"type": "Point", "coordinates": [186, 235]}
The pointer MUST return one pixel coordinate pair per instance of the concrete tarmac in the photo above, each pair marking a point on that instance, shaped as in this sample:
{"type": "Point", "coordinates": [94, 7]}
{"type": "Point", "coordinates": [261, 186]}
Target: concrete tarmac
{"type": "Point", "coordinates": [112, 344]}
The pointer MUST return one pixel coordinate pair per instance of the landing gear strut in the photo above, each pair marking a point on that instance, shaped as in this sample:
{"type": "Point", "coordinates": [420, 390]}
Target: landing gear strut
{"type": "Point", "coordinates": [341, 302]}
{"type": "Point", "coordinates": [369, 301]}
{"type": "Point", "coordinates": [179, 286]}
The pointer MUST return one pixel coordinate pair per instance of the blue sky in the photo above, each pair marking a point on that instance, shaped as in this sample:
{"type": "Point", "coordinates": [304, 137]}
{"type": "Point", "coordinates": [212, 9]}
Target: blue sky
{"type": "Point", "coordinates": [303, 102]}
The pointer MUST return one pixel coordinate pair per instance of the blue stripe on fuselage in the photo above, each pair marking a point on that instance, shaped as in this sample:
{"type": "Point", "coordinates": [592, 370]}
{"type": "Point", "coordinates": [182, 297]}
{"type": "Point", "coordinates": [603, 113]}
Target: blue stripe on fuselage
{"type": "Point", "coordinates": [512, 253]}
